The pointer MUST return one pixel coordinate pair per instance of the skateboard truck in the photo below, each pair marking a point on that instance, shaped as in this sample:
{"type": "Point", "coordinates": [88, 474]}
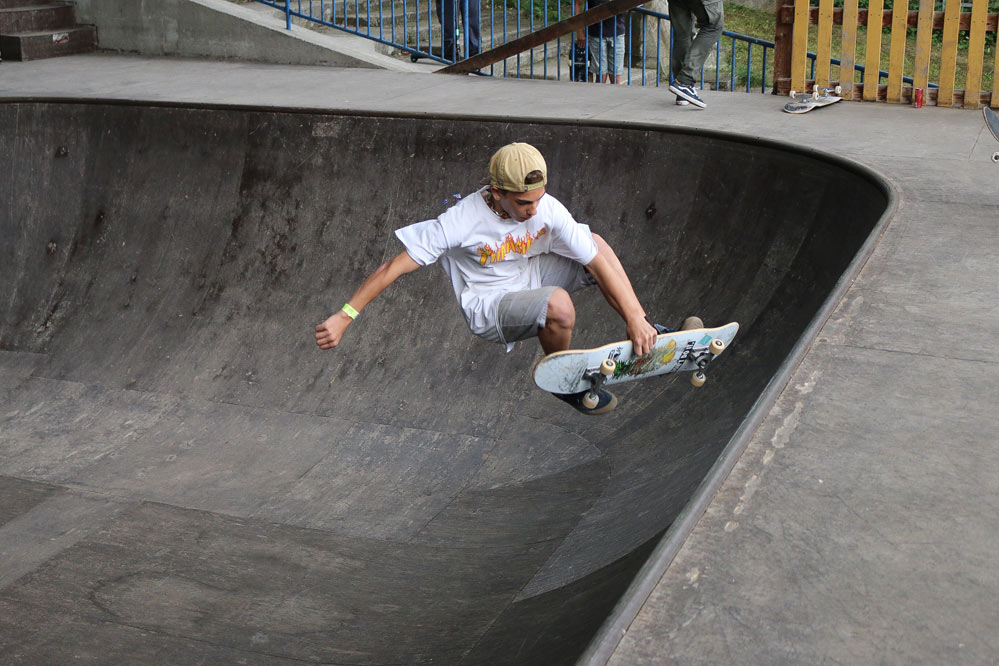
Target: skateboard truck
{"type": "Point", "coordinates": [597, 378]}
{"type": "Point", "coordinates": [816, 92]}
{"type": "Point", "coordinates": [716, 347]}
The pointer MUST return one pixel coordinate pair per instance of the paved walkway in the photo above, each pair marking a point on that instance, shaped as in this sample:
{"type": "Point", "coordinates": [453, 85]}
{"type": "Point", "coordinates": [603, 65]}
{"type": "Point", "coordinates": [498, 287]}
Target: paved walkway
{"type": "Point", "coordinates": [861, 523]}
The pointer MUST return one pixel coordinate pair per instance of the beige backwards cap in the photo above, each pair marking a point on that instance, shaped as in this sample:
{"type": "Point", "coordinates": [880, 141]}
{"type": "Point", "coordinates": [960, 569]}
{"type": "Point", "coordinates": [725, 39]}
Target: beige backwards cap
{"type": "Point", "coordinates": [510, 165]}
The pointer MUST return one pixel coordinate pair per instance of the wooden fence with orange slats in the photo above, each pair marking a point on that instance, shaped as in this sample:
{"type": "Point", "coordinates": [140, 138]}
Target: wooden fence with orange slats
{"type": "Point", "coordinates": [965, 44]}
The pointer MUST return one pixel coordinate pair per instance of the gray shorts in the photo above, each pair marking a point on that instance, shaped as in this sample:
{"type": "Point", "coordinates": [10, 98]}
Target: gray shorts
{"type": "Point", "coordinates": [520, 314]}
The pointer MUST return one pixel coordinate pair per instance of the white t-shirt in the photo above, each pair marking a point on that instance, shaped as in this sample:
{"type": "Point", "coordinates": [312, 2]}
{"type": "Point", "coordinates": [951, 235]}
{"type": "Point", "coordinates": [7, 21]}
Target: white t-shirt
{"type": "Point", "coordinates": [486, 257]}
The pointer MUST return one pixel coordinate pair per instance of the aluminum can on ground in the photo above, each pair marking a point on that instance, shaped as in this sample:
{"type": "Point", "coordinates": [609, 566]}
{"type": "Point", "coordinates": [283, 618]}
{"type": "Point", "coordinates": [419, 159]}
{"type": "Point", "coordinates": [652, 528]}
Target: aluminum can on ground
{"type": "Point", "coordinates": [917, 98]}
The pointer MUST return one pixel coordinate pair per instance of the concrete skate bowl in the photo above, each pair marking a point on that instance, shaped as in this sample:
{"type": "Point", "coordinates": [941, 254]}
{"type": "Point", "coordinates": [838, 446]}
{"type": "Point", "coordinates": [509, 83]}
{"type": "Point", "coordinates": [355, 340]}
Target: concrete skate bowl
{"type": "Point", "coordinates": [409, 498]}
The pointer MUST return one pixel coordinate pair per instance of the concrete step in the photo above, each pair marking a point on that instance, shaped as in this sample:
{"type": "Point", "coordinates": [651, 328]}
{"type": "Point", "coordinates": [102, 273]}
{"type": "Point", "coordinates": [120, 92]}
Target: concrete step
{"type": "Point", "coordinates": [410, 13]}
{"type": "Point", "coordinates": [34, 18]}
{"type": "Point", "coordinates": [486, 21]}
{"type": "Point", "coordinates": [434, 32]}
{"type": "Point", "coordinates": [48, 43]}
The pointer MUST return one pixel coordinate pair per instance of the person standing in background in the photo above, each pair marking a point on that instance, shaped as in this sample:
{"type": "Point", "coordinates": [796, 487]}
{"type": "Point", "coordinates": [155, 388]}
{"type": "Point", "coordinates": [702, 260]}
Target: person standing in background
{"type": "Point", "coordinates": [447, 13]}
{"type": "Point", "coordinates": [690, 52]}
{"type": "Point", "coordinates": [606, 44]}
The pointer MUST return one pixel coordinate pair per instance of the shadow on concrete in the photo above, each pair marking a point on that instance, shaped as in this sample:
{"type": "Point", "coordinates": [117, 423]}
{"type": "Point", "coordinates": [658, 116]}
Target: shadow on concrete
{"type": "Point", "coordinates": [219, 490]}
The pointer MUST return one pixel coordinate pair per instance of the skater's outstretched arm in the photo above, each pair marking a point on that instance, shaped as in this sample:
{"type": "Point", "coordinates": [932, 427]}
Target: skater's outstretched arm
{"type": "Point", "coordinates": [329, 333]}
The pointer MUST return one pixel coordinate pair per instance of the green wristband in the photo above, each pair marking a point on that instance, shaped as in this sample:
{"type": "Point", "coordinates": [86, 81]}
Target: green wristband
{"type": "Point", "coordinates": [349, 310]}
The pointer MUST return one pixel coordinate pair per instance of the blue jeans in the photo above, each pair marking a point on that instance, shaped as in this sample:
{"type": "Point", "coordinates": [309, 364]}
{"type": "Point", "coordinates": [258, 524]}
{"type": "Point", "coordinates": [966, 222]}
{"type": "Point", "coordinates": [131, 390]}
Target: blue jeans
{"type": "Point", "coordinates": [446, 11]}
{"type": "Point", "coordinates": [606, 55]}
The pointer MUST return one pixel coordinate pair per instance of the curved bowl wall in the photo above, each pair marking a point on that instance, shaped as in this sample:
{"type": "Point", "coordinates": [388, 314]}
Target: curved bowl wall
{"type": "Point", "coordinates": [407, 498]}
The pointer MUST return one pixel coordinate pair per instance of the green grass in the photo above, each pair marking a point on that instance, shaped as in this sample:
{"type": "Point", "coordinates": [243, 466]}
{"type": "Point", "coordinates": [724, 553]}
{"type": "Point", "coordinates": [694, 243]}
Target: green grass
{"type": "Point", "coordinates": [748, 21]}
{"type": "Point", "coordinates": [760, 23]}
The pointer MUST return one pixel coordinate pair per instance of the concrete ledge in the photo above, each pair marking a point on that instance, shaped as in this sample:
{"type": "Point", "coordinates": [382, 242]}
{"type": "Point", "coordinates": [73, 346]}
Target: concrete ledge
{"type": "Point", "coordinates": [220, 29]}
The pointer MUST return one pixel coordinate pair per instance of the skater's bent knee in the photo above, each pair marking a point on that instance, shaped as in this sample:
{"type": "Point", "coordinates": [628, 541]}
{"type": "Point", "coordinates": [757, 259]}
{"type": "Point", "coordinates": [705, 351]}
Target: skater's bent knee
{"type": "Point", "coordinates": [561, 311]}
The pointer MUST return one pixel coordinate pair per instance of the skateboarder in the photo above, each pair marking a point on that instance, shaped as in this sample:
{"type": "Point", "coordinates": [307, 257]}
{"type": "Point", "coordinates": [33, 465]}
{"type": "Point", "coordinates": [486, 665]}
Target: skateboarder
{"type": "Point", "coordinates": [513, 254]}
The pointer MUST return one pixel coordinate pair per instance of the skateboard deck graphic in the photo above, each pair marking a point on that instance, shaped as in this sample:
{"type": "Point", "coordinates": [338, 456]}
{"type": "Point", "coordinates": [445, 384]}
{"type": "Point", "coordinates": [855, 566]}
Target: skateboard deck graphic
{"type": "Point", "coordinates": [579, 62]}
{"type": "Point", "coordinates": [576, 370]}
{"type": "Point", "coordinates": [805, 102]}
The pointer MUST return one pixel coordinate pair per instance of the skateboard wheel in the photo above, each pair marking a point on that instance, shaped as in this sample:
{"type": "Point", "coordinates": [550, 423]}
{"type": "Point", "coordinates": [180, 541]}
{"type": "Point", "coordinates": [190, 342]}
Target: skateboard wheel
{"type": "Point", "coordinates": [698, 379]}
{"type": "Point", "coordinates": [717, 346]}
{"type": "Point", "coordinates": [839, 90]}
{"type": "Point", "coordinates": [815, 93]}
{"type": "Point", "coordinates": [607, 367]}
{"type": "Point", "coordinates": [590, 400]}
{"type": "Point", "coordinates": [792, 94]}
{"type": "Point", "coordinates": [995, 157]}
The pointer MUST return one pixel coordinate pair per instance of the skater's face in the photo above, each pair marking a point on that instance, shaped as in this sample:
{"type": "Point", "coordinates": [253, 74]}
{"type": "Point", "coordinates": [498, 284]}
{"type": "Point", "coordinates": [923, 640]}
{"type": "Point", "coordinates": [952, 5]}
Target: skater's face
{"type": "Point", "coordinates": [520, 206]}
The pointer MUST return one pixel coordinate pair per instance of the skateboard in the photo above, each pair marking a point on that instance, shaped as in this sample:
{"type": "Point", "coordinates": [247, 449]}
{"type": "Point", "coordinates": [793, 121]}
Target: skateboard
{"type": "Point", "coordinates": [992, 122]}
{"type": "Point", "coordinates": [578, 370]}
{"type": "Point", "coordinates": [579, 62]}
{"type": "Point", "coordinates": [805, 102]}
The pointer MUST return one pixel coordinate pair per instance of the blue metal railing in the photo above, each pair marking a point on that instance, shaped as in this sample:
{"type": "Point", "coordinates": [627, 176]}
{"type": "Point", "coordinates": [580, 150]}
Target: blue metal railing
{"type": "Point", "coordinates": [407, 25]}
{"type": "Point", "coordinates": [411, 30]}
